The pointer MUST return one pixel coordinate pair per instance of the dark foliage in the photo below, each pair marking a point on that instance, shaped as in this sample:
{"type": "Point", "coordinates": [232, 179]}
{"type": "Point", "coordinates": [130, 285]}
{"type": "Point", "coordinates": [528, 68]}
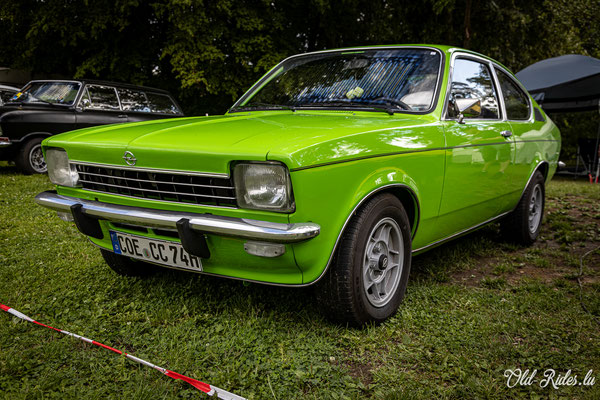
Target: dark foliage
{"type": "Point", "coordinates": [209, 52]}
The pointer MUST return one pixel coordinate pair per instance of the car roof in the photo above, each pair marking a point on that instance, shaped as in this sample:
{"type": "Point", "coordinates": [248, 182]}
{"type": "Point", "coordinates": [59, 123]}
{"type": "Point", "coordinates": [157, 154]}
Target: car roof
{"type": "Point", "coordinates": [6, 87]}
{"type": "Point", "coordinates": [107, 83]}
{"type": "Point", "coordinates": [443, 48]}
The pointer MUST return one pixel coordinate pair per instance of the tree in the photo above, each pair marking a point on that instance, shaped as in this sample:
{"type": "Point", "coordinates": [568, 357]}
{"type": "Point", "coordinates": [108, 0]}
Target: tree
{"type": "Point", "coordinates": [209, 52]}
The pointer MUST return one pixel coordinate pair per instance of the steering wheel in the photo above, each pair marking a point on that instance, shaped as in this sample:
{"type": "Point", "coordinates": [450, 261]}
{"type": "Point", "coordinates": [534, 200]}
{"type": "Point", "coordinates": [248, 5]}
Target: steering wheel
{"type": "Point", "coordinates": [395, 102]}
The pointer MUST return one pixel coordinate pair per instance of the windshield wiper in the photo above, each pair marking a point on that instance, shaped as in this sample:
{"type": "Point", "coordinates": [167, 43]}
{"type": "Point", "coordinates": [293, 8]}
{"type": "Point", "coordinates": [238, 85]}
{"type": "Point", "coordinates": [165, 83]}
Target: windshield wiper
{"type": "Point", "coordinates": [335, 103]}
{"type": "Point", "coordinates": [268, 106]}
{"type": "Point", "coordinates": [393, 102]}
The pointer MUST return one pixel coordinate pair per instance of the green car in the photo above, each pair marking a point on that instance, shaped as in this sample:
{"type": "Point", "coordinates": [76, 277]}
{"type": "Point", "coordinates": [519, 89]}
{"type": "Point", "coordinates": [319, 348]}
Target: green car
{"type": "Point", "coordinates": [333, 170]}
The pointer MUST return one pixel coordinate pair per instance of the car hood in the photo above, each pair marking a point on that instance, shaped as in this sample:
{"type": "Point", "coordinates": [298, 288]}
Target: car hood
{"type": "Point", "coordinates": [209, 144]}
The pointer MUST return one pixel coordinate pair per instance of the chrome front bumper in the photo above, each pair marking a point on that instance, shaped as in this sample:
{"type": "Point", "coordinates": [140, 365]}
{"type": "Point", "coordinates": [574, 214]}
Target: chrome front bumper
{"type": "Point", "coordinates": [205, 223]}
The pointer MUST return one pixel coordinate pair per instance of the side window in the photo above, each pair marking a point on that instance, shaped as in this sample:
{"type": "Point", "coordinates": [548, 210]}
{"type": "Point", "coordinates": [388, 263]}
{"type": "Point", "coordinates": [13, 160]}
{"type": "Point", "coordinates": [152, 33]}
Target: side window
{"type": "Point", "coordinates": [161, 103]}
{"type": "Point", "coordinates": [515, 101]}
{"type": "Point", "coordinates": [472, 80]}
{"type": "Point", "coordinates": [133, 100]}
{"type": "Point", "coordinates": [100, 98]}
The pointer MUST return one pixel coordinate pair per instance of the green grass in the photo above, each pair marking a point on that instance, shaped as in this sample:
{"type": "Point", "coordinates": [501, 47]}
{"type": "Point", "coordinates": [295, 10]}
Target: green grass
{"type": "Point", "coordinates": [474, 308]}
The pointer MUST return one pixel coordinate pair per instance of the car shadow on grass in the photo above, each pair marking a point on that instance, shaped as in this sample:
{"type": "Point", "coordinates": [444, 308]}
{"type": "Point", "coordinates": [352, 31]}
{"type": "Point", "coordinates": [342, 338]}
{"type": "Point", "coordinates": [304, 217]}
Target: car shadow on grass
{"type": "Point", "coordinates": [225, 296]}
{"type": "Point", "coordinates": [291, 304]}
{"type": "Point", "coordinates": [8, 168]}
{"type": "Point", "coordinates": [439, 264]}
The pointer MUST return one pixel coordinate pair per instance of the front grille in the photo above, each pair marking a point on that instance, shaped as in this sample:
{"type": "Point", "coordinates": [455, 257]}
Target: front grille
{"type": "Point", "coordinates": [160, 185]}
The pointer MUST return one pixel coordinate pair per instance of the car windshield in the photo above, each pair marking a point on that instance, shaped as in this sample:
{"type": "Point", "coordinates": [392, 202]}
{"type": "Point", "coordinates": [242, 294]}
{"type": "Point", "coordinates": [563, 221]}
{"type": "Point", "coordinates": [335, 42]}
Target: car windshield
{"type": "Point", "coordinates": [48, 92]}
{"type": "Point", "coordinates": [402, 80]}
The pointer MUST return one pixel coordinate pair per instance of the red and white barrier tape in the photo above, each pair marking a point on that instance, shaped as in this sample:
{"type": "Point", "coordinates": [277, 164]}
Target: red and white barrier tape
{"type": "Point", "coordinates": [204, 387]}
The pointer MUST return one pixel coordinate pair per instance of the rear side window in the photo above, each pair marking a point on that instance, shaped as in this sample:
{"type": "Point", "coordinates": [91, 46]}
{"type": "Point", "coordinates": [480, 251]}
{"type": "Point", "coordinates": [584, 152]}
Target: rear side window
{"type": "Point", "coordinates": [133, 100]}
{"type": "Point", "coordinates": [161, 103]}
{"type": "Point", "coordinates": [97, 97]}
{"type": "Point", "coordinates": [515, 101]}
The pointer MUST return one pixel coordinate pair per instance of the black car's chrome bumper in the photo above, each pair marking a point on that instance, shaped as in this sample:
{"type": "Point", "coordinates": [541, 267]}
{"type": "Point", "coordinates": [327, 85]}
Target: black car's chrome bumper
{"type": "Point", "coordinates": [206, 223]}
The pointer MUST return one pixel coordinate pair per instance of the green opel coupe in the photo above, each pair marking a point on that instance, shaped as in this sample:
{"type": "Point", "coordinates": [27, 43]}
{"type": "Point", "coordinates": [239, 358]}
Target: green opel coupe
{"type": "Point", "coordinates": [333, 170]}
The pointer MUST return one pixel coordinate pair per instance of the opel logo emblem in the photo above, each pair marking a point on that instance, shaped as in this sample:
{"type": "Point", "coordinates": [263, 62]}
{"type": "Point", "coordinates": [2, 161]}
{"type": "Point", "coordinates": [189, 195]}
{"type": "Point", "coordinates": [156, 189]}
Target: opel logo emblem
{"type": "Point", "coordinates": [129, 158]}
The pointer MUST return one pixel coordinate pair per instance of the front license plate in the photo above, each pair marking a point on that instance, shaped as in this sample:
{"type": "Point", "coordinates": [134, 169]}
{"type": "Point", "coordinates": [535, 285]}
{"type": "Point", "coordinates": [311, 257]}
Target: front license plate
{"type": "Point", "coordinates": [158, 251]}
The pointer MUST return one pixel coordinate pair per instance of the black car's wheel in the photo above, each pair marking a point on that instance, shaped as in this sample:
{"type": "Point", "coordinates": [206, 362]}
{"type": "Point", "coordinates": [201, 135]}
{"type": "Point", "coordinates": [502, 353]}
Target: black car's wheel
{"type": "Point", "coordinates": [368, 277]}
{"type": "Point", "coordinates": [524, 223]}
{"type": "Point", "coordinates": [30, 159]}
{"type": "Point", "coordinates": [126, 266]}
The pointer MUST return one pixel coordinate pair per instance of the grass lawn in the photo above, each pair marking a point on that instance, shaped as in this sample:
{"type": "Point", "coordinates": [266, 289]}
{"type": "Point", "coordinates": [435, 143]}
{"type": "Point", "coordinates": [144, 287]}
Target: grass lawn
{"type": "Point", "coordinates": [474, 308]}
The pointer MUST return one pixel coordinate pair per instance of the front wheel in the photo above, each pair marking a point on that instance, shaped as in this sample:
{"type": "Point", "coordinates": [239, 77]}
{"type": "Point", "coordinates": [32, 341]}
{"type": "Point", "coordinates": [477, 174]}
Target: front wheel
{"type": "Point", "coordinates": [30, 159]}
{"type": "Point", "coordinates": [523, 225]}
{"type": "Point", "coordinates": [368, 277]}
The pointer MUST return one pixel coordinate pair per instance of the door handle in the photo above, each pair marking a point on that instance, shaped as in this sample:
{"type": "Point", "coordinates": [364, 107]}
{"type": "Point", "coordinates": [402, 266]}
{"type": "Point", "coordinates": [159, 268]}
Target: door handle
{"type": "Point", "coordinates": [122, 116]}
{"type": "Point", "coordinates": [506, 134]}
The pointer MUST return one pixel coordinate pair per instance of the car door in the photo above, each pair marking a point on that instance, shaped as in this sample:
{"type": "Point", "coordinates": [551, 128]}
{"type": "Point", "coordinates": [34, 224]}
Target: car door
{"type": "Point", "coordinates": [528, 130]}
{"type": "Point", "coordinates": [99, 105]}
{"type": "Point", "coordinates": [479, 150]}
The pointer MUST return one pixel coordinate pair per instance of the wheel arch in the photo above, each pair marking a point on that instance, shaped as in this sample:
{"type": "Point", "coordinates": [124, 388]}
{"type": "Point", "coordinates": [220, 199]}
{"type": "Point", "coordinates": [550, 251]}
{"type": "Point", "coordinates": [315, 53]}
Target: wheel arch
{"type": "Point", "coordinates": [407, 196]}
{"type": "Point", "coordinates": [542, 166]}
{"type": "Point", "coordinates": [33, 135]}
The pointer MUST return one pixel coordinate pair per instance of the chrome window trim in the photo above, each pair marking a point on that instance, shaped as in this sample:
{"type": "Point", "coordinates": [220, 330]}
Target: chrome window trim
{"type": "Point", "coordinates": [473, 57]}
{"type": "Point", "coordinates": [87, 85]}
{"type": "Point", "coordinates": [154, 170]}
{"type": "Point", "coordinates": [79, 91]}
{"type": "Point", "coordinates": [179, 112]}
{"type": "Point", "coordinates": [438, 83]}
{"type": "Point", "coordinates": [118, 98]}
{"type": "Point", "coordinates": [525, 92]}
{"type": "Point", "coordinates": [80, 96]}
{"type": "Point", "coordinates": [118, 88]}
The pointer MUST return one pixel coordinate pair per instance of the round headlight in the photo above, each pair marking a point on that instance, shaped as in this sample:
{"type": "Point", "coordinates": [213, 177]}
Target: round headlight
{"type": "Point", "coordinates": [263, 187]}
{"type": "Point", "coordinates": [59, 170]}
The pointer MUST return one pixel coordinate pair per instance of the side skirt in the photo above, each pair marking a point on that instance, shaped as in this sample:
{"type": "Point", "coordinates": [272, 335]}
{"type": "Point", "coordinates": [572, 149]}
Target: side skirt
{"type": "Point", "coordinates": [458, 234]}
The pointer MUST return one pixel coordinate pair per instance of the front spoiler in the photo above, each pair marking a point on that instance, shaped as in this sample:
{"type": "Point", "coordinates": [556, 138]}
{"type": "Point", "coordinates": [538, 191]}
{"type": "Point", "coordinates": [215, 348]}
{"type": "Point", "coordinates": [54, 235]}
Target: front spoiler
{"type": "Point", "coordinates": [204, 223]}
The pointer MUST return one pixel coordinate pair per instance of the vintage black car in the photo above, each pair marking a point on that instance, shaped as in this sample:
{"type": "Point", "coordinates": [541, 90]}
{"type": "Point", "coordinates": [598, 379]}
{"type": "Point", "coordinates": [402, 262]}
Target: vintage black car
{"type": "Point", "coordinates": [44, 108]}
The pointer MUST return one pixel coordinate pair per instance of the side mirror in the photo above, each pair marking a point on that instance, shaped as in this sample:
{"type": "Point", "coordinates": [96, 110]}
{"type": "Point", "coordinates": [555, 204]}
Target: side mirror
{"type": "Point", "coordinates": [85, 103]}
{"type": "Point", "coordinates": [467, 108]}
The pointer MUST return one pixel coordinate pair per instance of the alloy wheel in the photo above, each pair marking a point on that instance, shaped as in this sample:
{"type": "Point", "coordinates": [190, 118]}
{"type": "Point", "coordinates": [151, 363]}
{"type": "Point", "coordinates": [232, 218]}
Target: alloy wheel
{"type": "Point", "coordinates": [383, 262]}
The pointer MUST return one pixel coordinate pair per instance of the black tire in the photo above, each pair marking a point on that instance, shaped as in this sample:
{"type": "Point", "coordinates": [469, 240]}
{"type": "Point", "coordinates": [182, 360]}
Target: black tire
{"type": "Point", "coordinates": [523, 225]}
{"type": "Point", "coordinates": [30, 159]}
{"type": "Point", "coordinates": [342, 292]}
{"type": "Point", "coordinates": [126, 266]}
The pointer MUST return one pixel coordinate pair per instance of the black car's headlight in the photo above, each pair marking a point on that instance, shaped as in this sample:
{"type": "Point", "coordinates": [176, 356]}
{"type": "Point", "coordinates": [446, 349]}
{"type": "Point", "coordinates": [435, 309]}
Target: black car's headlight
{"type": "Point", "coordinates": [263, 186]}
{"type": "Point", "coordinates": [59, 170]}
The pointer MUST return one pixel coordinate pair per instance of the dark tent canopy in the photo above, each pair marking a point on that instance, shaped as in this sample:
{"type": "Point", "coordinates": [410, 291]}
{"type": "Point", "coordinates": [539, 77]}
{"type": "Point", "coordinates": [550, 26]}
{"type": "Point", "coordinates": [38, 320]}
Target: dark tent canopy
{"type": "Point", "coordinates": [565, 83]}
